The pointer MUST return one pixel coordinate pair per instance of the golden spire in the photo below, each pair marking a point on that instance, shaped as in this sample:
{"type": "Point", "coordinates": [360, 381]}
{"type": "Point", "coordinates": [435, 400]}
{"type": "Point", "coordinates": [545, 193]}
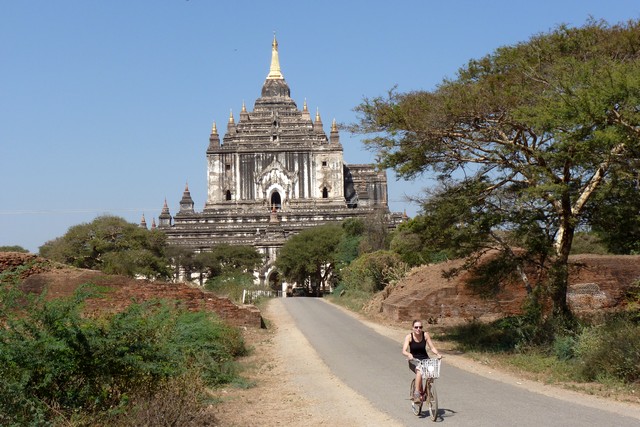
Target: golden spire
{"type": "Point", "coordinates": [231, 121]}
{"type": "Point", "coordinates": [318, 115]}
{"type": "Point", "coordinates": [244, 107]}
{"type": "Point", "coordinates": [334, 126]}
{"type": "Point", "coordinates": [274, 70]}
{"type": "Point", "coordinates": [304, 106]}
{"type": "Point", "coordinates": [214, 129]}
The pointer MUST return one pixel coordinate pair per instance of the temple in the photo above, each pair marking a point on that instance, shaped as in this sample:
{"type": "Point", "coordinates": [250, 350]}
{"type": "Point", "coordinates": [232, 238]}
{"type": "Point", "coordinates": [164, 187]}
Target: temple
{"type": "Point", "coordinates": [272, 174]}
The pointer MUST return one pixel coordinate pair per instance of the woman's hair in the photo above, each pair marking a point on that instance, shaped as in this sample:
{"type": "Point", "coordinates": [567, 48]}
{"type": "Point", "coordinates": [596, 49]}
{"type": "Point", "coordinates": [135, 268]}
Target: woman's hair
{"type": "Point", "coordinates": [415, 320]}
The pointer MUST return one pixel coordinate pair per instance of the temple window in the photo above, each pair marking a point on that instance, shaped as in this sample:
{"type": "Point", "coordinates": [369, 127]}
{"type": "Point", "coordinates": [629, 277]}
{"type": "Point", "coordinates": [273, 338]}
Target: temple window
{"type": "Point", "coordinates": [228, 195]}
{"type": "Point", "coordinates": [325, 193]}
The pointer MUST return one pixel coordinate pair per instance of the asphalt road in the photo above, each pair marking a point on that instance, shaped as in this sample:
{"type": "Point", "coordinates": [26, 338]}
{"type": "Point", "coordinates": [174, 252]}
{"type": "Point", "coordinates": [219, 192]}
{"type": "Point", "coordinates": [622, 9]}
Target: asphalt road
{"type": "Point", "coordinates": [373, 365]}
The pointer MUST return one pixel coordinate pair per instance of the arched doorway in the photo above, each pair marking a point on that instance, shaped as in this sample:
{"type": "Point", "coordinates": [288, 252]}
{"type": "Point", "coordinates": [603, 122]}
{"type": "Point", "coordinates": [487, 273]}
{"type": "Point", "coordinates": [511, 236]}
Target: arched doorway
{"type": "Point", "coordinates": [276, 201]}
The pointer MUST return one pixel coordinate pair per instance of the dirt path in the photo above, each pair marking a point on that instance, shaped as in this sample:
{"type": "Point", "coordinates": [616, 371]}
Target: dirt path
{"type": "Point", "coordinates": [294, 387]}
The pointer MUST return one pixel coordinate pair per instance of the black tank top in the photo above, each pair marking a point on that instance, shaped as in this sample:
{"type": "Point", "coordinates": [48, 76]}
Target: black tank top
{"type": "Point", "coordinates": [418, 349]}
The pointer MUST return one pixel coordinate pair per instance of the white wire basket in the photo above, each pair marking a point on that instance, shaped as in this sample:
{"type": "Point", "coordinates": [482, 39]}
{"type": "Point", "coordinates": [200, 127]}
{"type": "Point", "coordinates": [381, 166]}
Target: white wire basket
{"type": "Point", "coordinates": [430, 368]}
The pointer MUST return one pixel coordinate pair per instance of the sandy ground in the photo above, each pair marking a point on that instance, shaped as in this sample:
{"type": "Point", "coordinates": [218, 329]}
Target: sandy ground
{"type": "Point", "coordinates": [291, 386]}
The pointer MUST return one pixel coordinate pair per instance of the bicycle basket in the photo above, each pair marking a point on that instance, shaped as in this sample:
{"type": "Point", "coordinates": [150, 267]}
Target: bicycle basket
{"type": "Point", "coordinates": [430, 368]}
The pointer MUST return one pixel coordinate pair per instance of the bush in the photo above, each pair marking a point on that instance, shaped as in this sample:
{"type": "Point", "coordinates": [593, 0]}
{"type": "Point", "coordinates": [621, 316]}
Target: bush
{"type": "Point", "coordinates": [611, 349]}
{"type": "Point", "coordinates": [56, 363]}
{"type": "Point", "coordinates": [373, 271]}
{"type": "Point", "coordinates": [231, 285]}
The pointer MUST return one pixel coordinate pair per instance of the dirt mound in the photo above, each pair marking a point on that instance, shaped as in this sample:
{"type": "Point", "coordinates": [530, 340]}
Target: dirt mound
{"type": "Point", "coordinates": [597, 284]}
{"type": "Point", "coordinates": [38, 275]}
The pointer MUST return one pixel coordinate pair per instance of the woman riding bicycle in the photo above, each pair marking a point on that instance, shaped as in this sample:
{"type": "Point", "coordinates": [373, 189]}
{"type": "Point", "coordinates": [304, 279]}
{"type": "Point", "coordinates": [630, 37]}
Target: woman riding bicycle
{"type": "Point", "coordinates": [415, 349]}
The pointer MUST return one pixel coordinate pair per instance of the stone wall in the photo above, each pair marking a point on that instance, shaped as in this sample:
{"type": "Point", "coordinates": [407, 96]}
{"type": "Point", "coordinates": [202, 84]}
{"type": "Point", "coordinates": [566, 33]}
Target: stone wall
{"type": "Point", "coordinates": [39, 275]}
{"type": "Point", "coordinates": [597, 285]}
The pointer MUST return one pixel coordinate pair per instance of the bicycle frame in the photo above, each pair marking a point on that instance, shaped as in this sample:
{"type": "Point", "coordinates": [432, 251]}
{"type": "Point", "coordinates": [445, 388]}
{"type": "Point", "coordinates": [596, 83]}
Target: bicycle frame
{"type": "Point", "coordinates": [429, 371]}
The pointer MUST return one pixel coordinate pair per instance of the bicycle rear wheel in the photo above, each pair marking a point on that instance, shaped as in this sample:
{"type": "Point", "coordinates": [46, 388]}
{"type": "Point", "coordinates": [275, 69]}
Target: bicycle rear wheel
{"type": "Point", "coordinates": [416, 407]}
{"type": "Point", "coordinates": [432, 400]}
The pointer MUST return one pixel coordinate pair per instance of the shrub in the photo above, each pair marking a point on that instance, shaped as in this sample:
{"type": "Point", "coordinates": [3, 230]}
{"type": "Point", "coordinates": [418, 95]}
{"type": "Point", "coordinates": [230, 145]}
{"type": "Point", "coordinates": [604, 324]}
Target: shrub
{"type": "Point", "coordinates": [373, 271]}
{"type": "Point", "coordinates": [56, 363]}
{"type": "Point", "coordinates": [611, 349]}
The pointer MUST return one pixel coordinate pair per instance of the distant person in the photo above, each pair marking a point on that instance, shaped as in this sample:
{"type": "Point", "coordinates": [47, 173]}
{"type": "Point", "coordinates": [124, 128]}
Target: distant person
{"type": "Point", "coordinates": [415, 349]}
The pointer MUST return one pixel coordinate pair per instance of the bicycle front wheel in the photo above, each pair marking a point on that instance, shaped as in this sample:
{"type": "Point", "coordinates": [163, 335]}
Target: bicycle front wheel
{"type": "Point", "coordinates": [416, 407]}
{"type": "Point", "coordinates": [432, 401]}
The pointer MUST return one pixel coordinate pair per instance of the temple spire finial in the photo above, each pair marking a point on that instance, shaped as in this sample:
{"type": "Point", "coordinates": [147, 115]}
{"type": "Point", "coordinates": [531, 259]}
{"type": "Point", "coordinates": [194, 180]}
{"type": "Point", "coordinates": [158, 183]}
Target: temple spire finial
{"type": "Point", "coordinates": [274, 70]}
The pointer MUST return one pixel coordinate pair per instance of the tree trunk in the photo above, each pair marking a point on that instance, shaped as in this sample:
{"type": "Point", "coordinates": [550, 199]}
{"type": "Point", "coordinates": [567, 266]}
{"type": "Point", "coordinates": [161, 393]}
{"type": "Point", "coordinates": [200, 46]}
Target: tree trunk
{"type": "Point", "coordinates": [559, 271]}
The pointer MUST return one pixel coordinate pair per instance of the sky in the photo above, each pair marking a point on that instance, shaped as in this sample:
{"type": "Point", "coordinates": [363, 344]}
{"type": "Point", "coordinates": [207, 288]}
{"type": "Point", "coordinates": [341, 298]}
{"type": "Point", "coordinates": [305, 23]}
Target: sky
{"type": "Point", "coordinates": [106, 106]}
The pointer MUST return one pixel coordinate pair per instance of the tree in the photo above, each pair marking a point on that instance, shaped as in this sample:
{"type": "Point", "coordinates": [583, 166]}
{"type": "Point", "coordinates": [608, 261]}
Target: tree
{"type": "Point", "coordinates": [537, 129]}
{"type": "Point", "coordinates": [15, 248]}
{"type": "Point", "coordinates": [228, 260]}
{"type": "Point", "coordinates": [310, 256]}
{"type": "Point", "coordinates": [113, 245]}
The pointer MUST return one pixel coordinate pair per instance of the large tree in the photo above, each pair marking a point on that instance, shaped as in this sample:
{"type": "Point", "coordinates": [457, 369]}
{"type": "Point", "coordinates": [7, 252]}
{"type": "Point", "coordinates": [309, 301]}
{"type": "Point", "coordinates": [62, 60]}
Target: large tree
{"type": "Point", "coordinates": [228, 260]}
{"type": "Point", "coordinates": [310, 257]}
{"type": "Point", "coordinates": [113, 245]}
{"type": "Point", "coordinates": [537, 129]}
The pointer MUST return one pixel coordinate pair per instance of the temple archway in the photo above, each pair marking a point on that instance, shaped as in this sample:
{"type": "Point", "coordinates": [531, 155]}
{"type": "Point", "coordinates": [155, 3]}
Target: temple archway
{"type": "Point", "coordinates": [276, 200]}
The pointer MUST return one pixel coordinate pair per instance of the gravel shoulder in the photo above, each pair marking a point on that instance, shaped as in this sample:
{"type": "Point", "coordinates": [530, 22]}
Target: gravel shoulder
{"type": "Point", "coordinates": [291, 385]}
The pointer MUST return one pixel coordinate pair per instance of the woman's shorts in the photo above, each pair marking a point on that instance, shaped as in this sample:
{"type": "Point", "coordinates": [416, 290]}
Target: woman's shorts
{"type": "Point", "coordinates": [413, 363]}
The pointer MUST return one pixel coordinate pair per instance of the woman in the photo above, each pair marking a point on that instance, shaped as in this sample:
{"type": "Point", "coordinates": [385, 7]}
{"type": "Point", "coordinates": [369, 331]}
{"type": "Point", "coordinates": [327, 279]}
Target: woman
{"type": "Point", "coordinates": [415, 348]}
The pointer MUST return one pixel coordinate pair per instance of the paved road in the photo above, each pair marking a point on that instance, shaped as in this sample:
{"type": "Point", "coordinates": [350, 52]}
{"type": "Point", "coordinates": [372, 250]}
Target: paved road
{"type": "Point", "coordinates": [373, 366]}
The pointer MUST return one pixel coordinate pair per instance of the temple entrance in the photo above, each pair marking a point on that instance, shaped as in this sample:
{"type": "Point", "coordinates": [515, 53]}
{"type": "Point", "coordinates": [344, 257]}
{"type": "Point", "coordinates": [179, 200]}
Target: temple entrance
{"type": "Point", "coordinates": [276, 201]}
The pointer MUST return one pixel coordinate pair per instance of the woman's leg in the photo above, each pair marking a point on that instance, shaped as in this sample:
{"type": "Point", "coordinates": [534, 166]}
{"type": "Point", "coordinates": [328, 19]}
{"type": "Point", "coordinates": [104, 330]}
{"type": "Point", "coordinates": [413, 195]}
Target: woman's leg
{"type": "Point", "coordinates": [418, 381]}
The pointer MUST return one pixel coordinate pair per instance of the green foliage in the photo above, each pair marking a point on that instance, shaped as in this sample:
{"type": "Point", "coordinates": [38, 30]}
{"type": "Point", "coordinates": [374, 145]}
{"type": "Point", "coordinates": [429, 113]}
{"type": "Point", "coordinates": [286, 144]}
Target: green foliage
{"type": "Point", "coordinates": [228, 259]}
{"type": "Point", "coordinates": [373, 271]}
{"type": "Point", "coordinates": [353, 227]}
{"type": "Point", "coordinates": [54, 362]}
{"type": "Point", "coordinates": [564, 347]}
{"type": "Point", "coordinates": [113, 245]}
{"type": "Point", "coordinates": [487, 278]}
{"type": "Point", "coordinates": [231, 284]}
{"type": "Point", "coordinates": [611, 349]}
{"type": "Point", "coordinates": [310, 255]}
{"type": "Point", "coordinates": [15, 248]}
{"type": "Point", "coordinates": [588, 243]}
{"type": "Point", "coordinates": [523, 141]}
{"type": "Point", "coordinates": [375, 235]}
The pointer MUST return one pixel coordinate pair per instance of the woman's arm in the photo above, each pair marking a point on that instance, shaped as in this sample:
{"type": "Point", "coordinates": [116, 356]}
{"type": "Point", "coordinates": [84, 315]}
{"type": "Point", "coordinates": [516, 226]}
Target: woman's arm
{"type": "Point", "coordinates": [405, 348]}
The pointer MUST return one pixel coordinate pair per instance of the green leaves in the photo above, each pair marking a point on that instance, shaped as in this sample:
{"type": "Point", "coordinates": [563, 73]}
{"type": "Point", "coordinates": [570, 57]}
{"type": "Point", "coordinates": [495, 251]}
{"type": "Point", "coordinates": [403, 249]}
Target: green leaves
{"type": "Point", "coordinates": [113, 245]}
{"type": "Point", "coordinates": [54, 361]}
{"type": "Point", "coordinates": [311, 254]}
{"type": "Point", "coordinates": [540, 126]}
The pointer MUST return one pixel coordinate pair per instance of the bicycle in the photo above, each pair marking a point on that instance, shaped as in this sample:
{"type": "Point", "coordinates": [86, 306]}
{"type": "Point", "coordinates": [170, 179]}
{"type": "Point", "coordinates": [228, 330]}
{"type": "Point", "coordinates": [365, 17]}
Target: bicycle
{"type": "Point", "coordinates": [430, 370]}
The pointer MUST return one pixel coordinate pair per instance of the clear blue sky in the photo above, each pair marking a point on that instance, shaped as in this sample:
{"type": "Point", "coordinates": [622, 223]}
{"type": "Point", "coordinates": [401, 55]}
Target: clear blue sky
{"type": "Point", "coordinates": [106, 106]}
